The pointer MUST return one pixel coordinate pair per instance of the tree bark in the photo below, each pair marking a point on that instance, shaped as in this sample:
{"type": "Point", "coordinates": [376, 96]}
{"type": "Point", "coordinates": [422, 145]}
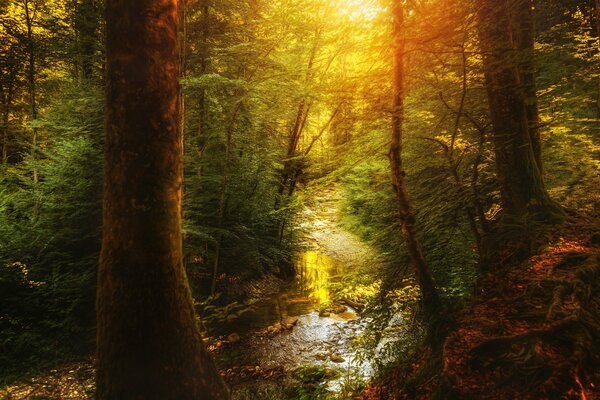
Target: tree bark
{"type": "Point", "coordinates": [5, 114]}
{"type": "Point", "coordinates": [149, 345]}
{"type": "Point", "coordinates": [223, 196]}
{"type": "Point", "coordinates": [86, 25]}
{"type": "Point", "coordinates": [204, 54]}
{"type": "Point", "coordinates": [522, 189]}
{"type": "Point", "coordinates": [8, 92]}
{"type": "Point", "coordinates": [523, 23]}
{"type": "Point", "coordinates": [431, 300]}
{"type": "Point", "coordinates": [29, 16]}
{"type": "Point", "coordinates": [7, 98]}
{"type": "Point", "coordinates": [598, 34]}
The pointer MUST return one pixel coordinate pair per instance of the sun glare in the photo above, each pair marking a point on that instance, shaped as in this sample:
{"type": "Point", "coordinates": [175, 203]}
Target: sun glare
{"type": "Point", "coordinates": [359, 9]}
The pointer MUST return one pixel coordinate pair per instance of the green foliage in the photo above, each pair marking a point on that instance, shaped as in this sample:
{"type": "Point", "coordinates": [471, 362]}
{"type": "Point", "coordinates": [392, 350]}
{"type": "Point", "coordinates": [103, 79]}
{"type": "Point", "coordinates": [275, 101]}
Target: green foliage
{"type": "Point", "coordinates": [254, 70]}
{"type": "Point", "coordinates": [214, 315]}
{"type": "Point", "coordinates": [311, 383]}
{"type": "Point", "coordinates": [51, 231]}
{"type": "Point", "coordinates": [568, 85]}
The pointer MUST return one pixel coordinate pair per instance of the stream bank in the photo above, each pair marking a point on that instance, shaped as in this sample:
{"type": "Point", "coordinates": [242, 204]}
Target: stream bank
{"type": "Point", "coordinates": [304, 330]}
{"type": "Point", "coordinates": [307, 324]}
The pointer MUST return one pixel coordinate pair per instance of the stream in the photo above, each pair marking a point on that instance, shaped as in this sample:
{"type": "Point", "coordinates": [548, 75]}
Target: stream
{"type": "Point", "coordinates": [312, 338]}
{"type": "Point", "coordinates": [290, 329]}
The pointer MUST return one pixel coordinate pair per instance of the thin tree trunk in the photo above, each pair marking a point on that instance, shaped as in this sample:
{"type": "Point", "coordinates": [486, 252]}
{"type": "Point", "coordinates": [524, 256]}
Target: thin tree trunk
{"type": "Point", "coordinates": [149, 344]}
{"type": "Point", "coordinates": [453, 163]}
{"type": "Point", "coordinates": [476, 211]}
{"type": "Point", "coordinates": [29, 16]}
{"type": "Point", "coordinates": [431, 300]}
{"type": "Point", "coordinates": [598, 34]}
{"type": "Point", "coordinates": [7, 101]}
{"type": "Point", "coordinates": [86, 25]}
{"type": "Point", "coordinates": [223, 197]}
{"type": "Point", "coordinates": [475, 181]}
{"type": "Point", "coordinates": [299, 123]}
{"type": "Point", "coordinates": [202, 111]}
{"type": "Point", "coordinates": [6, 107]}
{"type": "Point", "coordinates": [5, 135]}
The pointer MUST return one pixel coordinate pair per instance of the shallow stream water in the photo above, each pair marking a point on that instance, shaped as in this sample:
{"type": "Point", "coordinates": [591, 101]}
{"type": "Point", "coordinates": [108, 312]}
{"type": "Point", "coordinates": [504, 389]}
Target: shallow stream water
{"type": "Point", "coordinates": [317, 339]}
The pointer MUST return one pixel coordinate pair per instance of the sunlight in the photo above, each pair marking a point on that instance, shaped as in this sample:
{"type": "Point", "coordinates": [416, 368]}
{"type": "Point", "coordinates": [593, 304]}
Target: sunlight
{"type": "Point", "coordinates": [354, 10]}
{"type": "Point", "coordinates": [314, 275]}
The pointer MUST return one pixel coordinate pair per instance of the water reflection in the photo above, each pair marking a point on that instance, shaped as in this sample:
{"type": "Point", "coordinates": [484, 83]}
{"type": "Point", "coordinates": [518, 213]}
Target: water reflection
{"type": "Point", "coordinates": [315, 272]}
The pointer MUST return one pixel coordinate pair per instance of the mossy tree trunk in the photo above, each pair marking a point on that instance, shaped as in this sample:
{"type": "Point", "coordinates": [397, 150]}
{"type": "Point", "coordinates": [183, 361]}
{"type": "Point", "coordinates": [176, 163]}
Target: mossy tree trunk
{"type": "Point", "coordinates": [149, 345]}
{"type": "Point", "coordinates": [431, 300]}
{"type": "Point", "coordinates": [511, 94]}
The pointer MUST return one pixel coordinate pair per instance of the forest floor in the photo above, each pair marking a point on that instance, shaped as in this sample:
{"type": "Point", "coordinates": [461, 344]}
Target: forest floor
{"type": "Point", "coordinates": [291, 333]}
{"type": "Point", "coordinates": [532, 332]}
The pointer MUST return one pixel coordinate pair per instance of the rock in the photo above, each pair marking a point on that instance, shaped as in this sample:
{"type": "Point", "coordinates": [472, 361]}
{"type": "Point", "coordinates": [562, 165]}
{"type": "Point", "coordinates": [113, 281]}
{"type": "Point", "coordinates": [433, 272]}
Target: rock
{"type": "Point", "coordinates": [339, 308]}
{"type": "Point", "coordinates": [233, 338]}
{"type": "Point", "coordinates": [347, 316]}
{"type": "Point", "coordinates": [336, 358]}
{"type": "Point", "coordinates": [289, 322]}
{"type": "Point", "coordinates": [275, 329]}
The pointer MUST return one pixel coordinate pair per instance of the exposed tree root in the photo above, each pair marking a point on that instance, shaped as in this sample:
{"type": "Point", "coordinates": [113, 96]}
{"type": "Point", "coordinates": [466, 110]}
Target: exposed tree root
{"type": "Point", "coordinates": [533, 333]}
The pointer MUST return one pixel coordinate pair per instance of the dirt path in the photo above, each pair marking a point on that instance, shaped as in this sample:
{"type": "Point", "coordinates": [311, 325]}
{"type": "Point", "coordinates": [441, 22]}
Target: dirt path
{"type": "Point", "coordinates": [324, 232]}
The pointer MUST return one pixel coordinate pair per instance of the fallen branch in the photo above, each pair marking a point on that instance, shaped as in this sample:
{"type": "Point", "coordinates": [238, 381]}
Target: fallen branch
{"type": "Point", "coordinates": [354, 304]}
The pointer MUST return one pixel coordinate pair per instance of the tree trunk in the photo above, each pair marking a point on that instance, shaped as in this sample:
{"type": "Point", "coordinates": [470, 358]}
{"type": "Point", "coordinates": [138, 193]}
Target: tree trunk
{"type": "Point", "coordinates": [523, 23]}
{"type": "Point", "coordinates": [86, 25]}
{"type": "Point", "coordinates": [204, 54]}
{"type": "Point", "coordinates": [5, 135]}
{"type": "Point", "coordinates": [299, 123]}
{"type": "Point", "coordinates": [522, 188]}
{"type": "Point", "coordinates": [223, 196]}
{"type": "Point", "coordinates": [8, 91]}
{"type": "Point", "coordinates": [598, 34]}
{"type": "Point", "coordinates": [431, 300]}
{"type": "Point", "coordinates": [7, 94]}
{"type": "Point", "coordinates": [31, 83]}
{"type": "Point", "coordinates": [149, 345]}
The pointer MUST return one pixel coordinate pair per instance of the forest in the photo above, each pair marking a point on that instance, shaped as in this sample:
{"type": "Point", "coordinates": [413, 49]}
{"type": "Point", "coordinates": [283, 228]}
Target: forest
{"type": "Point", "coordinates": [300, 199]}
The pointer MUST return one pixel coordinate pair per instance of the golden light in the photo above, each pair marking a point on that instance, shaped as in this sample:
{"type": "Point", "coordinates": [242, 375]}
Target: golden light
{"type": "Point", "coordinates": [359, 9]}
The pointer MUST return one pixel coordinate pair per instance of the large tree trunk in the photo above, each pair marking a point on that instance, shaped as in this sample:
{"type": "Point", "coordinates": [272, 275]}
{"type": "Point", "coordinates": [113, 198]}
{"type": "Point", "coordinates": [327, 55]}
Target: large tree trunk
{"type": "Point", "coordinates": [431, 301]}
{"type": "Point", "coordinates": [149, 345]}
{"type": "Point", "coordinates": [523, 23]}
{"type": "Point", "coordinates": [522, 188]}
